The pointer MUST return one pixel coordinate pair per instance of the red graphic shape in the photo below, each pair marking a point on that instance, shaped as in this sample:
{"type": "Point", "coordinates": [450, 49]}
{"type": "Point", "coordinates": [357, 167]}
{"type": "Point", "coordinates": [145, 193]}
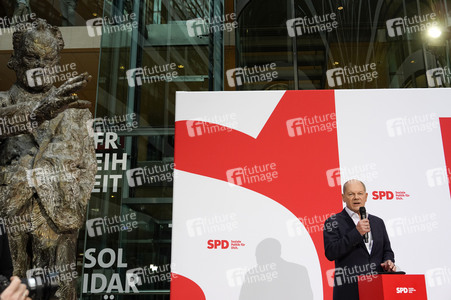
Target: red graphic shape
{"type": "Point", "coordinates": [302, 160]}
{"type": "Point", "coordinates": [445, 126]}
{"type": "Point", "coordinates": [184, 288]}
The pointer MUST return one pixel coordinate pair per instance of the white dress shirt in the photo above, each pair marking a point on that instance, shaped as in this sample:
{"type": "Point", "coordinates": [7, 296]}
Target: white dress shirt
{"type": "Point", "coordinates": [356, 218]}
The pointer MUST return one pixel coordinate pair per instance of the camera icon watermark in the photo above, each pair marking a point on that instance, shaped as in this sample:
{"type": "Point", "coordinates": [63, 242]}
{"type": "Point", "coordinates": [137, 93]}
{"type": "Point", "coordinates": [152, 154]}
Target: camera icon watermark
{"type": "Point", "coordinates": [135, 177]}
{"type": "Point", "coordinates": [395, 27]}
{"type": "Point", "coordinates": [197, 27]}
{"type": "Point", "coordinates": [438, 277]}
{"type": "Point", "coordinates": [94, 27]}
{"type": "Point", "coordinates": [235, 277]}
{"type": "Point", "coordinates": [333, 177]}
{"type": "Point", "coordinates": [35, 77]}
{"type": "Point", "coordinates": [438, 77]}
{"type": "Point", "coordinates": [438, 176]}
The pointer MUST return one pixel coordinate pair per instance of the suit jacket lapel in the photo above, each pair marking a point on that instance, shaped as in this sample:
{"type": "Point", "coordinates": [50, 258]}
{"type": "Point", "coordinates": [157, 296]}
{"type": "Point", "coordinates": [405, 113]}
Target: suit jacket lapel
{"type": "Point", "coordinates": [374, 232]}
{"type": "Point", "coordinates": [348, 219]}
{"type": "Point", "coordinates": [352, 225]}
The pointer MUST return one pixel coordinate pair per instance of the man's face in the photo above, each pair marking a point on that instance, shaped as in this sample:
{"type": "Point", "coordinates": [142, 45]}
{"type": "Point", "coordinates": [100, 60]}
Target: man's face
{"type": "Point", "coordinates": [355, 196]}
{"type": "Point", "coordinates": [41, 53]}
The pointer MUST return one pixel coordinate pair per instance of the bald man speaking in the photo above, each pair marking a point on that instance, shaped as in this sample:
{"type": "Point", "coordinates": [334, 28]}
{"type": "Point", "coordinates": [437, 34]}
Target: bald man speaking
{"type": "Point", "coordinates": [345, 244]}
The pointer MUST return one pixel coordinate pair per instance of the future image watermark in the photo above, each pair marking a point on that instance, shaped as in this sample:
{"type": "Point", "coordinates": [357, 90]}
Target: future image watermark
{"type": "Point", "coordinates": [18, 123]}
{"type": "Point", "coordinates": [107, 225]}
{"type": "Point", "coordinates": [400, 26]}
{"type": "Point", "coordinates": [311, 25]}
{"type": "Point", "coordinates": [119, 23]}
{"type": "Point", "coordinates": [312, 224]}
{"type": "Point", "coordinates": [16, 224]}
{"type": "Point", "coordinates": [117, 123]}
{"type": "Point", "coordinates": [236, 277]}
{"type": "Point", "coordinates": [212, 224]}
{"type": "Point", "coordinates": [150, 274]}
{"type": "Point", "coordinates": [246, 75]}
{"type": "Point", "coordinates": [50, 75]}
{"type": "Point", "coordinates": [148, 175]}
{"type": "Point", "coordinates": [353, 274]}
{"type": "Point", "coordinates": [438, 176]}
{"type": "Point", "coordinates": [311, 124]}
{"type": "Point", "coordinates": [438, 277]}
{"type": "Point", "coordinates": [352, 74]}
{"type": "Point", "coordinates": [56, 274]}
{"type": "Point", "coordinates": [210, 125]}
{"type": "Point", "coordinates": [17, 23]}
{"type": "Point", "coordinates": [254, 174]}
{"type": "Point", "coordinates": [157, 73]}
{"type": "Point", "coordinates": [408, 225]}
{"type": "Point", "coordinates": [438, 77]}
{"type": "Point", "coordinates": [365, 172]}
{"type": "Point", "coordinates": [412, 124]}
{"type": "Point", "coordinates": [49, 175]}
{"type": "Point", "coordinates": [205, 26]}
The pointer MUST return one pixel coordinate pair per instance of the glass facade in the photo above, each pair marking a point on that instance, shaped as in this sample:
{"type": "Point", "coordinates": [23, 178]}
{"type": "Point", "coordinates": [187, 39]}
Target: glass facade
{"type": "Point", "coordinates": [151, 49]}
{"type": "Point", "coordinates": [140, 72]}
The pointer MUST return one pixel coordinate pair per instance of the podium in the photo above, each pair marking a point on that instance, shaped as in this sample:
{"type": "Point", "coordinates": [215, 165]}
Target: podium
{"type": "Point", "coordinates": [391, 287]}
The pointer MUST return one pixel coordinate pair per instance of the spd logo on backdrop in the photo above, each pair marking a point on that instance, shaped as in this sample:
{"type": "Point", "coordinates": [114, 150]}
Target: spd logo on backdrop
{"type": "Point", "coordinates": [389, 195]}
{"type": "Point", "coordinates": [225, 244]}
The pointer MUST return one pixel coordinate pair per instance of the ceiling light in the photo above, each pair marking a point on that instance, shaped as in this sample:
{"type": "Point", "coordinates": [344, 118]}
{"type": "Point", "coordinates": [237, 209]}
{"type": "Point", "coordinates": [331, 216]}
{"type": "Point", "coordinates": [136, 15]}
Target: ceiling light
{"type": "Point", "coordinates": [434, 32]}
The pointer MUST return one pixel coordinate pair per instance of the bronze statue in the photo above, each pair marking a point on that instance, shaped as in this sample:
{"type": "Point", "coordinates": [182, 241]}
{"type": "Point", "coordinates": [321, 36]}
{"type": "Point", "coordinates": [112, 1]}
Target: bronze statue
{"type": "Point", "coordinates": [47, 159]}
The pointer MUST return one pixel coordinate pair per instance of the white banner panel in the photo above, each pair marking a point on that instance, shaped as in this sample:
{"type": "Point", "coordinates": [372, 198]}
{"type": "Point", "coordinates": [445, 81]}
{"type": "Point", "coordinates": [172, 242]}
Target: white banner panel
{"type": "Point", "coordinates": [258, 173]}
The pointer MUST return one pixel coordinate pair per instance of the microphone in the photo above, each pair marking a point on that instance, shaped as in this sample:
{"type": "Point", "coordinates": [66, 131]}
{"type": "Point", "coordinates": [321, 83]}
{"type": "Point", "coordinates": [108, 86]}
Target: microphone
{"type": "Point", "coordinates": [362, 211]}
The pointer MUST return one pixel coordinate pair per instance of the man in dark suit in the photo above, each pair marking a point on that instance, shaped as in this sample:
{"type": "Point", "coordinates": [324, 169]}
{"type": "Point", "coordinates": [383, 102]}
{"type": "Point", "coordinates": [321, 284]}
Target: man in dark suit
{"type": "Point", "coordinates": [344, 243]}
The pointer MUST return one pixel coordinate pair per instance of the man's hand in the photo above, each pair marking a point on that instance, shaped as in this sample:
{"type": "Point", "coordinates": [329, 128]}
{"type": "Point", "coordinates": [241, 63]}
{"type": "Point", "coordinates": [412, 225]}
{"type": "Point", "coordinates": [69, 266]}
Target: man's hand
{"type": "Point", "coordinates": [388, 266]}
{"type": "Point", "coordinates": [15, 291]}
{"type": "Point", "coordinates": [63, 98]}
{"type": "Point", "coordinates": [363, 226]}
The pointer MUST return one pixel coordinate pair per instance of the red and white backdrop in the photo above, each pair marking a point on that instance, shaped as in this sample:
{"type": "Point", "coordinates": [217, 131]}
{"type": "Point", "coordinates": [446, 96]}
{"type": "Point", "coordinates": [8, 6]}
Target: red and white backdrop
{"type": "Point", "coordinates": [259, 168]}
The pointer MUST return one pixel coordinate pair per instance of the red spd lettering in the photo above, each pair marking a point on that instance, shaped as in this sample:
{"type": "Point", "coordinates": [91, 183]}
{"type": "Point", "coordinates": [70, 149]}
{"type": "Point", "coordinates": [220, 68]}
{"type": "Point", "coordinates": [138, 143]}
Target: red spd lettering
{"type": "Point", "coordinates": [215, 244]}
{"type": "Point", "coordinates": [380, 195]}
